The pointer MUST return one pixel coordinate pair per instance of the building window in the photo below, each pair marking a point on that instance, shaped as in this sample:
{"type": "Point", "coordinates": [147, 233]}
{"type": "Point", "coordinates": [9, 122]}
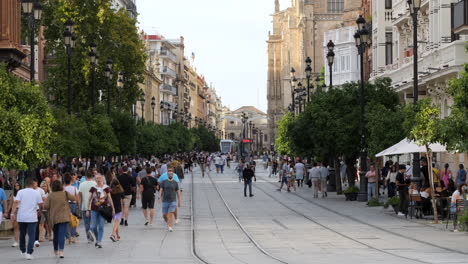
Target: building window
{"type": "Point", "coordinates": [388, 4]}
{"type": "Point", "coordinates": [388, 48]}
{"type": "Point", "coordinates": [335, 6]}
{"type": "Point", "coordinates": [265, 138]}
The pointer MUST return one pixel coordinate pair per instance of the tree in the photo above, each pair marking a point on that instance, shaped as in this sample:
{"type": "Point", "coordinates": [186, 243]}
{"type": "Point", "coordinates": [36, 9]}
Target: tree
{"type": "Point", "coordinates": [455, 128]}
{"type": "Point", "coordinates": [125, 130]}
{"type": "Point", "coordinates": [26, 122]}
{"type": "Point", "coordinates": [102, 140]}
{"type": "Point", "coordinates": [72, 135]}
{"type": "Point", "coordinates": [116, 37]}
{"type": "Point", "coordinates": [284, 141]}
{"type": "Point", "coordinates": [426, 130]}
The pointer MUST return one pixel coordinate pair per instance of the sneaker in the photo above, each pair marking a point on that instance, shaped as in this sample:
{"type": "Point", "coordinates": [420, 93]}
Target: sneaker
{"type": "Point", "coordinates": [121, 221]}
{"type": "Point", "coordinates": [14, 244]}
{"type": "Point", "coordinates": [36, 244]}
{"type": "Point", "coordinates": [170, 229]}
{"type": "Point", "coordinates": [29, 257]}
{"type": "Point", "coordinates": [251, 195]}
{"type": "Point", "coordinates": [126, 223]}
{"type": "Point", "coordinates": [177, 221]}
{"type": "Point", "coordinates": [97, 245]}
{"type": "Point", "coordinates": [91, 235]}
{"type": "Point", "coordinates": [146, 223]}
{"type": "Point", "coordinates": [401, 214]}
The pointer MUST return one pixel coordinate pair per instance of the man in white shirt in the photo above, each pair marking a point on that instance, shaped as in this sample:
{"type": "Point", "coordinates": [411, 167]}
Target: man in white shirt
{"type": "Point", "coordinates": [314, 176]}
{"type": "Point", "coordinates": [218, 162]}
{"type": "Point", "coordinates": [84, 198]}
{"type": "Point", "coordinates": [26, 203]}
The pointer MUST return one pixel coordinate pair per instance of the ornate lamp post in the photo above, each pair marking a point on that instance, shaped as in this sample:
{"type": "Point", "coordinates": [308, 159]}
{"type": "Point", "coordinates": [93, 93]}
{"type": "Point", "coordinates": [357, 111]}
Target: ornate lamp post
{"type": "Point", "coordinates": [298, 91]}
{"type": "Point", "coordinates": [142, 101]}
{"type": "Point", "coordinates": [108, 72]}
{"type": "Point", "coordinates": [153, 105]}
{"type": "Point", "coordinates": [293, 86]}
{"type": "Point", "coordinates": [308, 71]}
{"type": "Point", "coordinates": [330, 58]}
{"type": "Point", "coordinates": [361, 38]}
{"type": "Point", "coordinates": [69, 40]}
{"type": "Point", "coordinates": [414, 7]}
{"type": "Point", "coordinates": [120, 85]}
{"type": "Point", "coordinates": [93, 58]}
{"type": "Point", "coordinates": [33, 9]}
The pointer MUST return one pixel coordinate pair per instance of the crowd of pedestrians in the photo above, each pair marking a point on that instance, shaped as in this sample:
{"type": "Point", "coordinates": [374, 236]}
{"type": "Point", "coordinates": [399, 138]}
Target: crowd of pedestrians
{"type": "Point", "coordinates": [54, 198]}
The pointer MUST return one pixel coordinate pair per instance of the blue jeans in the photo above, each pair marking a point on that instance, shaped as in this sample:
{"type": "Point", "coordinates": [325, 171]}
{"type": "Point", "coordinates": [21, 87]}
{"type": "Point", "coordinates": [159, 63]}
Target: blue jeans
{"type": "Point", "coordinates": [370, 190]}
{"type": "Point", "coordinates": [72, 230]}
{"type": "Point", "coordinates": [97, 225]}
{"type": "Point", "coordinates": [222, 168]}
{"type": "Point", "coordinates": [249, 184]}
{"type": "Point", "coordinates": [86, 222]}
{"type": "Point", "coordinates": [60, 231]}
{"type": "Point", "coordinates": [30, 230]}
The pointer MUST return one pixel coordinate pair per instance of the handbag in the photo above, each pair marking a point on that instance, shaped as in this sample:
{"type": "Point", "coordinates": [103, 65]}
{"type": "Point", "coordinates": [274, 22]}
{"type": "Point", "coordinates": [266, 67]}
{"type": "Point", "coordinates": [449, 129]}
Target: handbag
{"type": "Point", "coordinates": [106, 212]}
{"type": "Point", "coordinates": [74, 221]}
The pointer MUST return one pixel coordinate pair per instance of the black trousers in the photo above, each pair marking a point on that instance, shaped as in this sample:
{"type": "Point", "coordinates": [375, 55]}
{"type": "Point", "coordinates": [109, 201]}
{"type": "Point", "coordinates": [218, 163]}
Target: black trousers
{"type": "Point", "coordinates": [247, 183]}
{"type": "Point", "coordinates": [403, 194]}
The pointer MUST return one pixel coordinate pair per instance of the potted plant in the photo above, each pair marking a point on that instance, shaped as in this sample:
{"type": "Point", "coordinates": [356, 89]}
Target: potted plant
{"type": "Point", "coordinates": [463, 221]}
{"type": "Point", "coordinates": [351, 193]}
{"type": "Point", "coordinates": [394, 202]}
{"type": "Point", "coordinates": [374, 202]}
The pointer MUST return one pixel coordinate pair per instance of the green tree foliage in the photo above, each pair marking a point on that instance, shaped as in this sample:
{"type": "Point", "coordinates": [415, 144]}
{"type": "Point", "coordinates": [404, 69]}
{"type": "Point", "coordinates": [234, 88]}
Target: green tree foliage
{"type": "Point", "coordinates": [72, 135]}
{"type": "Point", "coordinates": [284, 140]}
{"type": "Point", "coordinates": [455, 129]}
{"type": "Point", "coordinates": [116, 36]}
{"type": "Point", "coordinates": [204, 139]}
{"type": "Point", "coordinates": [426, 129]}
{"type": "Point", "coordinates": [103, 141]}
{"type": "Point", "coordinates": [26, 123]}
{"type": "Point", "coordinates": [125, 130]}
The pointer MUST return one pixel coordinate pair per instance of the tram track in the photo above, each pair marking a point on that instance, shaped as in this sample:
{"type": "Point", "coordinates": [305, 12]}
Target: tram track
{"type": "Point", "coordinates": [412, 239]}
{"type": "Point", "coordinates": [236, 219]}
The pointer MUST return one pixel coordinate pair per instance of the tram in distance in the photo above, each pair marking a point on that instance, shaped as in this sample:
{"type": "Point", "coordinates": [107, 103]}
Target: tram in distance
{"type": "Point", "coordinates": [228, 146]}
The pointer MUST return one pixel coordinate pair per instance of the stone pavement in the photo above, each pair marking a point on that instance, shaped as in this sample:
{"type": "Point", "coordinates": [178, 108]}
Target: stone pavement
{"type": "Point", "coordinates": [292, 227]}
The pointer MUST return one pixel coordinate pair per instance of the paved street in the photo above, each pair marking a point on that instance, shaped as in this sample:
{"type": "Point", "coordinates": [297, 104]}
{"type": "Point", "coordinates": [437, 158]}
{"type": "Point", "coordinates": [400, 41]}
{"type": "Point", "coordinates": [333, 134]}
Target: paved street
{"type": "Point", "coordinates": [275, 228]}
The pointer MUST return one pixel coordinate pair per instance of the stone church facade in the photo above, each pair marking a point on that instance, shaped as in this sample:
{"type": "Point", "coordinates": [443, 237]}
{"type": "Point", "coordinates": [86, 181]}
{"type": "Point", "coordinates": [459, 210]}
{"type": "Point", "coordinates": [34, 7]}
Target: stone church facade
{"type": "Point", "coordinates": [297, 34]}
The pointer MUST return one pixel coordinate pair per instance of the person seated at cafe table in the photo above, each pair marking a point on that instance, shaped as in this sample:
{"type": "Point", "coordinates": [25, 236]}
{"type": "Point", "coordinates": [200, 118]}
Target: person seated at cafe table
{"type": "Point", "coordinates": [426, 199]}
{"type": "Point", "coordinates": [456, 195]}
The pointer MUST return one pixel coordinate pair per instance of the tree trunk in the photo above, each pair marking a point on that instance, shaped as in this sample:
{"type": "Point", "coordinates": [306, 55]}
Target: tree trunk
{"type": "Point", "coordinates": [337, 176]}
{"type": "Point", "coordinates": [351, 171]}
{"type": "Point", "coordinates": [431, 179]}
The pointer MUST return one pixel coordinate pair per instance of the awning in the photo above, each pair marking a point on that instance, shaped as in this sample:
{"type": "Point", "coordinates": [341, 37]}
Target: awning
{"type": "Point", "coordinates": [409, 146]}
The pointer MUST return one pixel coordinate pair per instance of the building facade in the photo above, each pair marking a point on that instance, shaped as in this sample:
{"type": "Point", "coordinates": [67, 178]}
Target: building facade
{"type": "Point", "coordinates": [298, 33]}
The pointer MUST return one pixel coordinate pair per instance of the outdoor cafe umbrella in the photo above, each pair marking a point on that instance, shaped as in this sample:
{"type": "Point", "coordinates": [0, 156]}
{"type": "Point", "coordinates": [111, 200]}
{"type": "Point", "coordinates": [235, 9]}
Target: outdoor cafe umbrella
{"type": "Point", "coordinates": [409, 146]}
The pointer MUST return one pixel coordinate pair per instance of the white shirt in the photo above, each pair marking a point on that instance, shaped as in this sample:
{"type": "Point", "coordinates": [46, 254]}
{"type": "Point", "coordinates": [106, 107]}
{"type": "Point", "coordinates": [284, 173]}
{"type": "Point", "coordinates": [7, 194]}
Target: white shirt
{"type": "Point", "coordinates": [163, 168]}
{"type": "Point", "coordinates": [29, 200]}
{"type": "Point", "coordinates": [218, 161]}
{"type": "Point", "coordinates": [84, 190]}
{"type": "Point", "coordinates": [299, 169]}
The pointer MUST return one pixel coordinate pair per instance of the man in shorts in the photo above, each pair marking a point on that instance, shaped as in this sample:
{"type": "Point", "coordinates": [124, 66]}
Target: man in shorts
{"type": "Point", "coordinates": [128, 184]}
{"type": "Point", "coordinates": [147, 188]}
{"type": "Point", "coordinates": [169, 195]}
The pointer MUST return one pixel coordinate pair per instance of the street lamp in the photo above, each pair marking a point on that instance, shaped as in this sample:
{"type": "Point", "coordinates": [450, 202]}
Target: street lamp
{"type": "Point", "coordinates": [142, 101]}
{"type": "Point", "coordinates": [33, 9]}
{"type": "Point", "coordinates": [308, 71]}
{"type": "Point", "coordinates": [414, 7]}
{"type": "Point", "coordinates": [69, 40]}
{"type": "Point", "coordinates": [330, 58]}
{"type": "Point", "coordinates": [293, 85]}
{"type": "Point", "coordinates": [93, 58]}
{"type": "Point", "coordinates": [153, 105]}
{"type": "Point", "coordinates": [361, 37]}
{"type": "Point", "coordinates": [108, 73]}
{"type": "Point", "coordinates": [317, 83]}
{"type": "Point", "coordinates": [298, 93]}
{"type": "Point", "coordinates": [120, 85]}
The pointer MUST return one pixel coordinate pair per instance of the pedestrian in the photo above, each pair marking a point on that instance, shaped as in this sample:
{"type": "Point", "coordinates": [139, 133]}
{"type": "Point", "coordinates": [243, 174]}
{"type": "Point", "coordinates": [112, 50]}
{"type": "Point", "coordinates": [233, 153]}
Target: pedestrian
{"type": "Point", "coordinates": [283, 174]}
{"type": "Point", "coordinates": [148, 187]}
{"type": "Point", "coordinates": [175, 177]}
{"type": "Point", "coordinates": [391, 181]}
{"type": "Point", "coordinates": [3, 203]}
{"type": "Point", "coordinates": [39, 211]}
{"type": "Point", "coordinates": [11, 201]}
{"type": "Point", "coordinates": [314, 176]}
{"type": "Point", "coordinates": [446, 174]}
{"type": "Point", "coordinates": [300, 170]}
{"type": "Point", "coordinates": [323, 179]}
{"type": "Point", "coordinates": [169, 195]}
{"type": "Point", "coordinates": [371, 176]}
{"type": "Point", "coordinates": [43, 226]}
{"type": "Point", "coordinates": [59, 212]}
{"type": "Point", "coordinates": [74, 205]}
{"type": "Point", "coordinates": [99, 196]}
{"type": "Point", "coordinates": [180, 173]}
{"type": "Point", "coordinates": [240, 169]}
{"type": "Point", "coordinates": [218, 163]}
{"type": "Point", "coordinates": [274, 167]}
{"type": "Point", "coordinates": [248, 174]}
{"type": "Point", "coordinates": [26, 204]}
{"type": "Point", "coordinates": [291, 176]}
{"type": "Point", "coordinates": [269, 167]}
{"type": "Point", "coordinates": [461, 175]}
{"type": "Point", "coordinates": [129, 185]}
{"type": "Point", "coordinates": [84, 198]}
{"type": "Point", "coordinates": [117, 195]}
{"type": "Point", "coordinates": [402, 187]}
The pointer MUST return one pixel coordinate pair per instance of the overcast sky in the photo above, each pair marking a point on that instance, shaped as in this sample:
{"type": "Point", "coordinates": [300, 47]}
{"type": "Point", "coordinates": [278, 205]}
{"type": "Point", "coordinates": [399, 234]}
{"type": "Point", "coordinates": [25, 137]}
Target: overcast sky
{"type": "Point", "coordinates": [228, 38]}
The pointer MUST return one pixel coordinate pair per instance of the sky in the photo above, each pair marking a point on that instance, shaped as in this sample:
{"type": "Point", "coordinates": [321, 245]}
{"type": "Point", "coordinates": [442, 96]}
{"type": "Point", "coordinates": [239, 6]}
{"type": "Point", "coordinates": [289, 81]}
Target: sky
{"type": "Point", "coordinates": [228, 38]}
